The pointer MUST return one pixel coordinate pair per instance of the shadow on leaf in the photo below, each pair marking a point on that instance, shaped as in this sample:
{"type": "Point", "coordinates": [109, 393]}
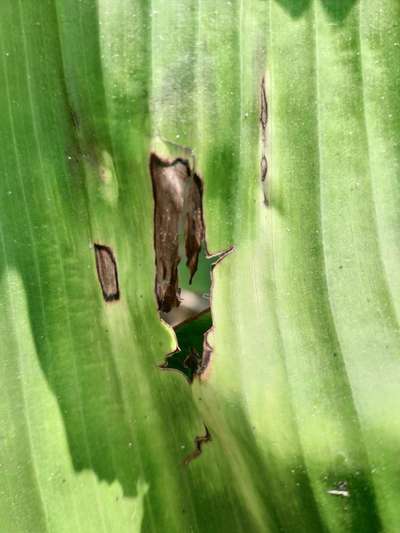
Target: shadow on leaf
{"type": "Point", "coordinates": [337, 10]}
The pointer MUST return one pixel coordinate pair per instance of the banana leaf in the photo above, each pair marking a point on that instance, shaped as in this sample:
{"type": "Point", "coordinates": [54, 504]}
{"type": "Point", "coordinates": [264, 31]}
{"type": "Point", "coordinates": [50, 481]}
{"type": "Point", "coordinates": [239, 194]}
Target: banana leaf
{"type": "Point", "coordinates": [288, 111]}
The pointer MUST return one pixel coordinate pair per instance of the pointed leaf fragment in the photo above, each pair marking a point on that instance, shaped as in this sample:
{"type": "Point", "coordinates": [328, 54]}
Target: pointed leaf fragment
{"type": "Point", "coordinates": [194, 229]}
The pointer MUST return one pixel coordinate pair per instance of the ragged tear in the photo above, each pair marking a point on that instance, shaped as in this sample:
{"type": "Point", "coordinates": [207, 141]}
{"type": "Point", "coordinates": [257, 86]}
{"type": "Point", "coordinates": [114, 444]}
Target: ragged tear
{"type": "Point", "coordinates": [179, 228]}
{"type": "Point", "coordinates": [199, 441]}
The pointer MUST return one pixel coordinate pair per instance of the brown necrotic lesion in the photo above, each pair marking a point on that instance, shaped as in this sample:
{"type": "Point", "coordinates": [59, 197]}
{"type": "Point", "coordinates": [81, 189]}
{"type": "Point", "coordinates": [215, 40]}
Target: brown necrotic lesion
{"type": "Point", "coordinates": [178, 209]}
{"type": "Point", "coordinates": [264, 139]}
{"type": "Point", "coordinates": [107, 273]}
{"type": "Point", "coordinates": [263, 106]}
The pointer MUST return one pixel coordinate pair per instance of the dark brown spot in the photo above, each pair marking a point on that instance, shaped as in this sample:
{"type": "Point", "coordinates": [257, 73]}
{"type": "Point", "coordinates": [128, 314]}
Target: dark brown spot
{"type": "Point", "coordinates": [107, 272]}
{"type": "Point", "coordinates": [199, 441]}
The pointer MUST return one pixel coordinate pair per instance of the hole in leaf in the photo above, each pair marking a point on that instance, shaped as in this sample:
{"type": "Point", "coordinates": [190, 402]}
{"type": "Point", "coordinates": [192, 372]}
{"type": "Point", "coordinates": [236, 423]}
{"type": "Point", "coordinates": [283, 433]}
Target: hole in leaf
{"type": "Point", "coordinates": [190, 335]}
{"type": "Point", "coordinates": [183, 299]}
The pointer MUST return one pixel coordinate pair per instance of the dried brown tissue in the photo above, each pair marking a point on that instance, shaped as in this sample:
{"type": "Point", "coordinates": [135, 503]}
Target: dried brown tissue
{"type": "Point", "coordinates": [178, 196]}
{"type": "Point", "coordinates": [107, 272]}
{"type": "Point", "coordinates": [177, 201]}
{"type": "Point", "coordinates": [263, 125]}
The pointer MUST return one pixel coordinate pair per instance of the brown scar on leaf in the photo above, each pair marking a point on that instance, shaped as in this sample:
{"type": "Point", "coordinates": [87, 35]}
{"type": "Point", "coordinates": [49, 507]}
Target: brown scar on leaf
{"type": "Point", "coordinates": [177, 201]}
{"type": "Point", "coordinates": [264, 168]}
{"type": "Point", "coordinates": [73, 116]}
{"type": "Point", "coordinates": [199, 441]}
{"type": "Point", "coordinates": [263, 124]}
{"type": "Point", "coordinates": [264, 105]}
{"type": "Point", "coordinates": [107, 273]}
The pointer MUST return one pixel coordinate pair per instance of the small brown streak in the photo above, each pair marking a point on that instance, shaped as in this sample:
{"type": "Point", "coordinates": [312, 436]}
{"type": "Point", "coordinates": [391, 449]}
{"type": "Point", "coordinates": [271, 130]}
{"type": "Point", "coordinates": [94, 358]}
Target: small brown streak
{"type": "Point", "coordinates": [107, 272]}
{"type": "Point", "coordinates": [263, 123]}
{"type": "Point", "coordinates": [199, 441]}
{"type": "Point", "coordinates": [74, 117]}
{"type": "Point", "coordinates": [264, 106]}
{"type": "Point", "coordinates": [264, 168]}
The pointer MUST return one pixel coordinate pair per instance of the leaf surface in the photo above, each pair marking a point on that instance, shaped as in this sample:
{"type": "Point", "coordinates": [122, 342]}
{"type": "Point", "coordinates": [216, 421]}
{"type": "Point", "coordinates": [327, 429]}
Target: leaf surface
{"type": "Point", "coordinates": [301, 393]}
